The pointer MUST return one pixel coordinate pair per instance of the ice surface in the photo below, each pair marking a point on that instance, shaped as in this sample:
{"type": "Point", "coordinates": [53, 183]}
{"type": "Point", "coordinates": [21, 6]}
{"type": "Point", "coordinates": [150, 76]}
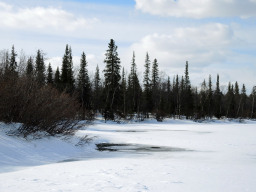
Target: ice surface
{"type": "Point", "coordinates": [219, 156]}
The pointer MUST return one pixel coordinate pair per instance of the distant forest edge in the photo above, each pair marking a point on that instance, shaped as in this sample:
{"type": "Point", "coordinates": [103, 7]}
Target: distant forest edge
{"type": "Point", "coordinates": [32, 94]}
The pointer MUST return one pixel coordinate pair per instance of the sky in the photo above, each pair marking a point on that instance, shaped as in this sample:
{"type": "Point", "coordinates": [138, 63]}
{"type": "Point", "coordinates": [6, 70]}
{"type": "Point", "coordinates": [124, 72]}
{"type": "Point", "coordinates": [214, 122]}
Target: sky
{"type": "Point", "coordinates": [214, 36]}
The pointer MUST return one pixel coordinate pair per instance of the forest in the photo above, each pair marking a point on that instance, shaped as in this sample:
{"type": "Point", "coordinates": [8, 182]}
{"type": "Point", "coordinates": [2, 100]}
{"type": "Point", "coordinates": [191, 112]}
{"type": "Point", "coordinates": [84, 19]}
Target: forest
{"type": "Point", "coordinates": [52, 100]}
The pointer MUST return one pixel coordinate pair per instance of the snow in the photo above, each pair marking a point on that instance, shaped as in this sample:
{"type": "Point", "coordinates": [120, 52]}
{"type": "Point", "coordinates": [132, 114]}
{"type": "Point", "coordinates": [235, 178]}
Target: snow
{"type": "Point", "coordinates": [210, 157]}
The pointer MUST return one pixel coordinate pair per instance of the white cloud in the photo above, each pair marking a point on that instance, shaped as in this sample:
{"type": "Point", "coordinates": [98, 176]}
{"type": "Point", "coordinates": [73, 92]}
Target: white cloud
{"type": "Point", "coordinates": [38, 18]}
{"type": "Point", "coordinates": [208, 48]}
{"type": "Point", "coordinates": [5, 7]}
{"type": "Point", "coordinates": [200, 45]}
{"type": "Point", "coordinates": [198, 9]}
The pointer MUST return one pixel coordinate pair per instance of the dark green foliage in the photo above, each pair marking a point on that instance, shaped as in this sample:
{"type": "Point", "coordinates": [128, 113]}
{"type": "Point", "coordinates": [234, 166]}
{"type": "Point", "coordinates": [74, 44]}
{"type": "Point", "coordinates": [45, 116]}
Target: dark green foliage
{"type": "Point", "coordinates": [67, 77]}
{"type": "Point", "coordinates": [134, 91]}
{"type": "Point", "coordinates": [97, 91]}
{"type": "Point", "coordinates": [40, 68]}
{"type": "Point", "coordinates": [187, 95]}
{"type": "Point", "coordinates": [218, 99]}
{"type": "Point", "coordinates": [49, 75]}
{"type": "Point", "coordinates": [147, 92]}
{"type": "Point", "coordinates": [112, 78]}
{"type": "Point", "coordinates": [57, 81]}
{"type": "Point", "coordinates": [118, 96]}
{"type": "Point", "coordinates": [30, 67]}
{"type": "Point", "coordinates": [84, 86]}
{"type": "Point", "coordinates": [13, 62]}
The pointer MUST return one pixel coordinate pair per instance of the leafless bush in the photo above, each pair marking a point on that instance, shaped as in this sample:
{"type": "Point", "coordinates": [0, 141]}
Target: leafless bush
{"type": "Point", "coordinates": [37, 108]}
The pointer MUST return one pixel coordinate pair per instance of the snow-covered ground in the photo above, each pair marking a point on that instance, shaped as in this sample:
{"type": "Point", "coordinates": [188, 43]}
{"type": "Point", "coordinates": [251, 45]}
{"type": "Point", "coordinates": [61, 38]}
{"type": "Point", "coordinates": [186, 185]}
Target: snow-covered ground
{"type": "Point", "coordinates": [175, 155]}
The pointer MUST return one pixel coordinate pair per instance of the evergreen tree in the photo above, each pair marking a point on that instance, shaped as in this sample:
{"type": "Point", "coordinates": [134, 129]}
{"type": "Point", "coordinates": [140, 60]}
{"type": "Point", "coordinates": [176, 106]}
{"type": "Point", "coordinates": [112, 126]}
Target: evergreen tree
{"type": "Point", "coordinates": [210, 98]}
{"type": "Point", "coordinates": [67, 78]}
{"type": "Point", "coordinates": [203, 100]}
{"type": "Point", "coordinates": [123, 98]}
{"type": "Point", "coordinates": [147, 88]}
{"type": "Point", "coordinates": [97, 101]}
{"type": "Point", "coordinates": [238, 100]}
{"type": "Point", "coordinates": [84, 85]}
{"type": "Point", "coordinates": [169, 109]}
{"type": "Point", "coordinates": [112, 78]}
{"type": "Point", "coordinates": [155, 86]}
{"type": "Point", "coordinates": [49, 75]}
{"type": "Point", "coordinates": [243, 102]}
{"type": "Point", "coordinates": [40, 68]}
{"type": "Point", "coordinates": [188, 96]}
{"type": "Point", "coordinates": [176, 93]}
{"type": "Point", "coordinates": [134, 89]}
{"type": "Point", "coordinates": [13, 62]}
{"type": "Point", "coordinates": [253, 100]}
{"type": "Point", "coordinates": [230, 102]}
{"type": "Point", "coordinates": [57, 80]}
{"type": "Point", "coordinates": [217, 99]}
{"type": "Point", "coordinates": [30, 67]}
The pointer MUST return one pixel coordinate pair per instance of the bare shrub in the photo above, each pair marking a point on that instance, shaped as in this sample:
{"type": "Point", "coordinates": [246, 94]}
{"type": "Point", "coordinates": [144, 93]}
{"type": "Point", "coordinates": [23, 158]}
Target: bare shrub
{"type": "Point", "coordinates": [37, 108]}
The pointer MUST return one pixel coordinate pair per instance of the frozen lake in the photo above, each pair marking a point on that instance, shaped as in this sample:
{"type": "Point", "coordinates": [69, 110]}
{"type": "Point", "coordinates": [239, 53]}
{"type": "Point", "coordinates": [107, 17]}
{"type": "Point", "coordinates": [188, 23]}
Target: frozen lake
{"type": "Point", "coordinates": [174, 155]}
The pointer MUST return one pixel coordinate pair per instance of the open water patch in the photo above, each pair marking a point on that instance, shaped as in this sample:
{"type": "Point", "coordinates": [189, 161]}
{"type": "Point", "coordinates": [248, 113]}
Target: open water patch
{"type": "Point", "coordinates": [137, 148]}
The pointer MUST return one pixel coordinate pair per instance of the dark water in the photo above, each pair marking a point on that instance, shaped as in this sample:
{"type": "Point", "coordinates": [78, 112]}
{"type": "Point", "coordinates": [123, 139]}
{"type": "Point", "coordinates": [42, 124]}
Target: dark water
{"type": "Point", "coordinates": [137, 148]}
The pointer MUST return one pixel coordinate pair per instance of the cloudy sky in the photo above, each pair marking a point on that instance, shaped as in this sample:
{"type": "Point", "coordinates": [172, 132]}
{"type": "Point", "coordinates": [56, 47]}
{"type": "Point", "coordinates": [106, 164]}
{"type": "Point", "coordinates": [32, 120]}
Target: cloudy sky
{"type": "Point", "coordinates": [215, 36]}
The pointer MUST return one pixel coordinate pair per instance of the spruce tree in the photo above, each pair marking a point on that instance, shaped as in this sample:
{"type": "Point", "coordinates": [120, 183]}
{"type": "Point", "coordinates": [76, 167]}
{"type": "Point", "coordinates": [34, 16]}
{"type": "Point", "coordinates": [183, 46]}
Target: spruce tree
{"type": "Point", "coordinates": [49, 75]}
{"type": "Point", "coordinates": [188, 96]}
{"type": "Point", "coordinates": [243, 102]}
{"type": "Point", "coordinates": [155, 86]}
{"type": "Point", "coordinates": [67, 74]}
{"type": "Point", "coordinates": [230, 102]}
{"type": "Point", "coordinates": [30, 67]}
{"type": "Point", "coordinates": [97, 100]}
{"type": "Point", "coordinates": [84, 86]}
{"type": "Point", "coordinates": [147, 88]}
{"type": "Point", "coordinates": [40, 68]}
{"type": "Point", "coordinates": [203, 100]}
{"type": "Point", "coordinates": [112, 78]}
{"type": "Point", "coordinates": [217, 99]}
{"type": "Point", "coordinates": [57, 80]}
{"type": "Point", "coordinates": [253, 103]}
{"type": "Point", "coordinates": [210, 98]}
{"type": "Point", "coordinates": [13, 62]}
{"type": "Point", "coordinates": [238, 99]}
{"type": "Point", "coordinates": [123, 92]}
{"type": "Point", "coordinates": [134, 89]}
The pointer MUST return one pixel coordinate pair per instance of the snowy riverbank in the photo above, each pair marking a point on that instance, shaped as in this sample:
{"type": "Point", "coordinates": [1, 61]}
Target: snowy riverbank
{"type": "Point", "coordinates": [176, 155]}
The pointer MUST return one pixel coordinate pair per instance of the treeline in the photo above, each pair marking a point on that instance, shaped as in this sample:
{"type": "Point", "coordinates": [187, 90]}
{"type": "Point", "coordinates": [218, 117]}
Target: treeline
{"type": "Point", "coordinates": [32, 87]}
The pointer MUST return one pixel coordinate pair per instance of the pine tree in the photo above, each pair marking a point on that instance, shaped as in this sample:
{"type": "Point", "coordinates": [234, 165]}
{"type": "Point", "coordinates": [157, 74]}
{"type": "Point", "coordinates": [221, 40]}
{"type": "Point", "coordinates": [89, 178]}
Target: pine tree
{"type": "Point", "coordinates": [123, 98]}
{"type": "Point", "coordinates": [71, 79]}
{"type": "Point", "coordinates": [155, 86]}
{"type": "Point", "coordinates": [134, 89]}
{"type": "Point", "coordinates": [238, 100]}
{"type": "Point", "coordinates": [30, 67]}
{"type": "Point", "coordinates": [253, 100]}
{"type": "Point", "coordinates": [13, 62]}
{"type": "Point", "coordinates": [112, 78]}
{"type": "Point", "coordinates": [188, 97]}
{"type": "Point", "coordinates": [49, 75]}
{"type": "Point", "coordinates": [57, 80]}
{"type": "Point", "coordinates": [64, 68]}
{"type": "Point", "coordinates": [217, 99]}
{"type": "Point", "coordinates": [97, 101]}
{"type": "Point", "coordinates": [210, 98]}
{"type": "Point", "coordinates": [147, 88]}
{"type": "Point", "coordinates": [40, 68]}
{"type": "Point", "coordinates": [230, 102]}
{"type": "Point", "coordinates": [84, 85]}
{"type": "Point", "coordinates": [243, 102]}
{"type": "Point", "coordinates": [67, 74]}
{"type": "Point", "coordinates": [203, 100]}
{"type": "Point", "coordinates": [176, 93]}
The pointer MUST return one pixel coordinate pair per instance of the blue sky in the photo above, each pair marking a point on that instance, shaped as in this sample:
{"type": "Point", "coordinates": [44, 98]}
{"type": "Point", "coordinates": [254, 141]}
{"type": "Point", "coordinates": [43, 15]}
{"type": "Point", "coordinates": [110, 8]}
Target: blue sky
{"type": "Point", "coordinates": [215, 36]}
